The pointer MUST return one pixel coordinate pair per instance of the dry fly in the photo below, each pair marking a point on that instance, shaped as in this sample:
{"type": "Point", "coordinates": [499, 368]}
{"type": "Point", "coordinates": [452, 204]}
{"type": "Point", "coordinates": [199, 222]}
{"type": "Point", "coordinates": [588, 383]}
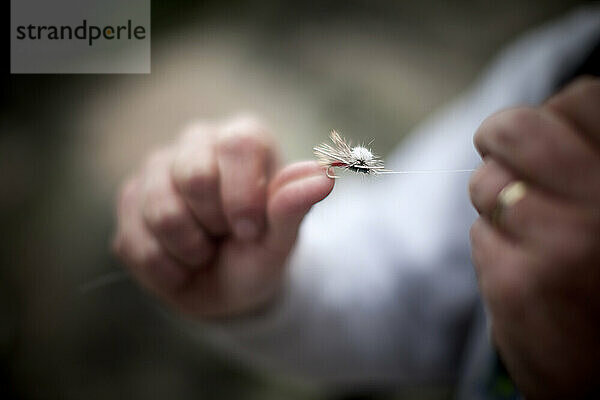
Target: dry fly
{"type": "Point", "coordinates": [342, 155]}
{"type": "Point", "coordinates": [361, 159]}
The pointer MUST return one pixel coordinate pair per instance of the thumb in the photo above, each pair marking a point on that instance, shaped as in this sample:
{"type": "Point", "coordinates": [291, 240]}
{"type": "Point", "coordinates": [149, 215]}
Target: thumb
{"type": "Point", "coordinates": [291, 194]}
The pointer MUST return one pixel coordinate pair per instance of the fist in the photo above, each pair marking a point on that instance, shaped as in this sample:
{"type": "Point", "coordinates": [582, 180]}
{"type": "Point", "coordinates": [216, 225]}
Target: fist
{"type": "Point", "coordinates": [538, 258]}
{"type": "Point", "coordinates": [208, 222]}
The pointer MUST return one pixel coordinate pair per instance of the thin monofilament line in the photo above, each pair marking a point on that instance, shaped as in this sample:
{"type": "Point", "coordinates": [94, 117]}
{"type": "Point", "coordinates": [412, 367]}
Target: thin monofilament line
{"type": "Point", "coordinates": [428, 171]}
{"type": "Point", "coordinates": [340, 154]}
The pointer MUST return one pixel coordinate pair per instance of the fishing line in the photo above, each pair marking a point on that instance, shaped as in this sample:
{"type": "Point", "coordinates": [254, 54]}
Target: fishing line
{"type": "Point", "coordinates": [429, 171]}
{"type": "Point", "coordinates": [360, 159]}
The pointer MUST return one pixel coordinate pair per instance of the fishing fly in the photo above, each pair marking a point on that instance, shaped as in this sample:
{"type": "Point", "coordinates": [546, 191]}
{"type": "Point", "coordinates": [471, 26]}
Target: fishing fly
{"type": "Point", "coordinates": [341, 154]}
{"type": "Point", "coordinates": [360, 159]}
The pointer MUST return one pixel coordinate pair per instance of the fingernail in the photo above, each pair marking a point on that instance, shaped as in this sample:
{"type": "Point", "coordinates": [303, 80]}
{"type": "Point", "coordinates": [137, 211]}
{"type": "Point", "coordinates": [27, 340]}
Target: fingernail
{"type": "Point", "coordinates": [245, 229]}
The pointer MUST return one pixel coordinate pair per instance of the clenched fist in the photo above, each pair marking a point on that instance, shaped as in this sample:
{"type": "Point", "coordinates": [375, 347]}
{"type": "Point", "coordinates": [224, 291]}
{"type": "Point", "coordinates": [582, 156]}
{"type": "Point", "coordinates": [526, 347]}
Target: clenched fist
{"type": "Point", "coordinates": [209, 221]}
{"type": "Point", "coordinates": [538, 259]}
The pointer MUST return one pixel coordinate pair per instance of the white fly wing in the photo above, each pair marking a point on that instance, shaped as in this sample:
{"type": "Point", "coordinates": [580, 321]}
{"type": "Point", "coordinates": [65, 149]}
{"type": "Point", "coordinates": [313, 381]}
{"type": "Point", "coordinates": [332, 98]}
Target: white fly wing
{"type": "Point", "coordinates": [327, 154]}
{"type": "Point", "coordinates": [339, 142]}
{"type": "Point", "coordinates": [341, 152]}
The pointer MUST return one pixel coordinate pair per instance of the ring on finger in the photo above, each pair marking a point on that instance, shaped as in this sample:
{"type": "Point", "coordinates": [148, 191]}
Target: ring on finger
{"type": "Point", "coordinates": [508, 196]}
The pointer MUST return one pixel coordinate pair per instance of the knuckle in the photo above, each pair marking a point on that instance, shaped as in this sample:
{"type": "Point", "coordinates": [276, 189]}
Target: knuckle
{"type": "Point", "coordinates": [242, 143]}
{"type": "Point", "coordinates": [502, 129]}
{"type": "Point", "coordinates": [245, 135]}
{"type": "Point", "coordinates": [521, 117]}
{"type": "Point", "coordinates": [512, 126]}
{"type": "Point", "coordinates": [481, 134]}
{"type": "Point", "coordinates": [195, 179]}
{"type": "Point", "coordinates": [163, 217]}
{"type": "Point", "coordinates": [194, 251]}
{"type": "Point", "coordinates": [151, 257]}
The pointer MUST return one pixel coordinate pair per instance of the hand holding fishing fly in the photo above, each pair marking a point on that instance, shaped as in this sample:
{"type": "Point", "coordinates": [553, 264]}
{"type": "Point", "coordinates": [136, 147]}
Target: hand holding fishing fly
{"type": "Point", "coordinates": [209, 221]}
{"type": "Point", "coordinates": [536, 246]}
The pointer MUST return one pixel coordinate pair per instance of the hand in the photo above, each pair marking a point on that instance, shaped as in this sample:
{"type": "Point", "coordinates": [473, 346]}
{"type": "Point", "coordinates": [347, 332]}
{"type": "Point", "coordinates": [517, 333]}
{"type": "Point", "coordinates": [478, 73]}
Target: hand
{"type": "Point", "coordinates": [208, 222]}
{"type": "Point", "coordinates": [538, 266]}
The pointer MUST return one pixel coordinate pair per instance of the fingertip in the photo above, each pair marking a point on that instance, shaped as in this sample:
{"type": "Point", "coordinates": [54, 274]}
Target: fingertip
{"type": "Point", "coordinates": [290, 201]}
{"type": "Point", "coordinates": [297, 171]}
{"type": "Point", "coordinates": [296, 196]}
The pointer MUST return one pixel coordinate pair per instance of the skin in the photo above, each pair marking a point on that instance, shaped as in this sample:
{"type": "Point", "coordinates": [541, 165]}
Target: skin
{"type": "Point", "coordinates": [208, 222]}
{"type": "Point", "coordinates": [539, 266]}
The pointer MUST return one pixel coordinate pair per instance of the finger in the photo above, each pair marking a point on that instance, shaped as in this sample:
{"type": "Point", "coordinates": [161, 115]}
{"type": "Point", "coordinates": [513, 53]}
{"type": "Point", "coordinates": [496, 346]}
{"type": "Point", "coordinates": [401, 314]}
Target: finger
{"type": "Point", "coordinates": [486, 183]}
{"type": "Point", "coordinates": [537, 145]}
{"type": "Point", "coordinates": [140, 251]}
{"type": "Point", "coordinates": [292, 193]}
{"type": "Point", "coordinates": [196, 176]}
{"type": "Point", "coordinates": [502, 267]}
{"type": "Point", "coordinates": [554, 229]}
{"type": "Point", "coordinates": [244, 156]}
{"type": "Point", "coordinates": [169, 219]}
{"type": "Point", "coordinates": [579, 103]}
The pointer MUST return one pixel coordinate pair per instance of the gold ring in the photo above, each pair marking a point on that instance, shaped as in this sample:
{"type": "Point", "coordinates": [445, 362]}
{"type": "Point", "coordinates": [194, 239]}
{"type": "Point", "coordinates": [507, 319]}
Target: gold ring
{"type": "Point", "coordinates": [508, 196]}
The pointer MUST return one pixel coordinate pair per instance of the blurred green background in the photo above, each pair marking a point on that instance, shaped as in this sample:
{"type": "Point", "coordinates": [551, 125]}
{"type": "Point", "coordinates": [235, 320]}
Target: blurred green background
{"type": "Point", "coordinates": [368, 68]}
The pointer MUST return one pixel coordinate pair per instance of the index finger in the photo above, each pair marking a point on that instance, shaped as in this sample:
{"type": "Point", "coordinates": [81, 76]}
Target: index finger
{"type": "Point", "coordinates": [540, 147]}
